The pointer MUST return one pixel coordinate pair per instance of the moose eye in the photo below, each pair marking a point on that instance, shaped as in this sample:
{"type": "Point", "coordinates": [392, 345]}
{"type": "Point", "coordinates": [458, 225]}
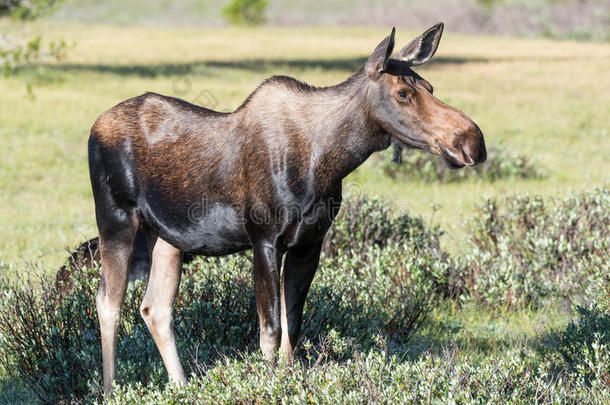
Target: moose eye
{"type": "Point", "coordinates": [402, 95]}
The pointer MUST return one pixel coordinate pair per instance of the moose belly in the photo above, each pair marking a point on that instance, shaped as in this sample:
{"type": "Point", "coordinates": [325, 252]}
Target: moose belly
{"type": "Point", "coordinates": [211, 229]}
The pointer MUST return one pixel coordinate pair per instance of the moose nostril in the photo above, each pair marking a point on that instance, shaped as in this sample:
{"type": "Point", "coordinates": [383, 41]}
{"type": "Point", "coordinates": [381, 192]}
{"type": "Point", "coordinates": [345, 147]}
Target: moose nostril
{"type": "Point", "coordinates": [467, 158]}
{"type": "Point", "coordinates": [473, 148]}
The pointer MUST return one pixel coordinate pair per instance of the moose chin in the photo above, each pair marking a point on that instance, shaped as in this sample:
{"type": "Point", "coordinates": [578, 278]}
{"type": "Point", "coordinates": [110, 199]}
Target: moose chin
{"type": "Point", "coordinates": [152, 158]}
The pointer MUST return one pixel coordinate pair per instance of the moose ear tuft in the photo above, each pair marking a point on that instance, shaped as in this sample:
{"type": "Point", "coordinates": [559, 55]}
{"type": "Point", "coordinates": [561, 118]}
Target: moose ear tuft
{"type": "Point", "coordinates": [378, 60]}
{"type": "Point", "coordinates": [422, 48]}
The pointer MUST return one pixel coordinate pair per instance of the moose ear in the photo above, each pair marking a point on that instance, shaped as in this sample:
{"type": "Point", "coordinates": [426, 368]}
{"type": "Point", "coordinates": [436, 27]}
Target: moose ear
{"type": "Point", "coordinates": [378, 60]}
{"type": "Point", "coordinates": [422, 48]}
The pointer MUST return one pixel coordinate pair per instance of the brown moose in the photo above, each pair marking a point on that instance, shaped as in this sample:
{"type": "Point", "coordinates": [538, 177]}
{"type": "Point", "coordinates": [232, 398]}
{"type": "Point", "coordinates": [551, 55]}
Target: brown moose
{"type": "Point", "coordinates": [265, 177]}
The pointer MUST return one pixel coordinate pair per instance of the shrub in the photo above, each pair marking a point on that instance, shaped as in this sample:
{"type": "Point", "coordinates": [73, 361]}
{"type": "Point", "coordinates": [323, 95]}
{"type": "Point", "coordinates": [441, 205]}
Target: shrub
{"type": "Point", "coordinates": [49, 335]}
{"type": "Point", "coordinates": [17, 52]}
{"type": "Point", "coordinates": [27, 9]}
{"type": "Point", "coordinates": [374, 288]}
{"type": "Point", "coordinates": [526, 251]}
{"type": "Point", "coordinates": [575, 347]}
{"type": "Point", "coordinates": [377, 294]}
{"type": "Point", "coordinates": [245, 12]}
{"type": "Point", "coordinates": [501, 163]}
{"type": "Point", "coordinates": [50, 338]}
{"type": "Point", "coordinates": [364, 223]}
{"type": "Point", "coordinates": [48, 341]}
{"type": "Point", "coordinates": [377, 377]}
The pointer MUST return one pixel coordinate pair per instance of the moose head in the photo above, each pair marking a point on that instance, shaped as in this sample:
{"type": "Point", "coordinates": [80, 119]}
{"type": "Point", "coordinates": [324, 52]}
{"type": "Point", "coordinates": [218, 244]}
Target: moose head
{"type": "Point", "coordinates": [403, 103]}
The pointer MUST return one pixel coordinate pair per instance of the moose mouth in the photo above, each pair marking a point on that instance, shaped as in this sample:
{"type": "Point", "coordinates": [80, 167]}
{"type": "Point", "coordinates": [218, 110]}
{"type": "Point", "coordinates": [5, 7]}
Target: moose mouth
{"type": "Point", "coordinates": [452, 159]}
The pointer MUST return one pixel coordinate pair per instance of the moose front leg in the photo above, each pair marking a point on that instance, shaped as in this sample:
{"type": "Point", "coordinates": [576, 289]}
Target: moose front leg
{"type": "Point", "coordinates": [267, 259]}
{"type": "Point", "coordinates": [299, 269]}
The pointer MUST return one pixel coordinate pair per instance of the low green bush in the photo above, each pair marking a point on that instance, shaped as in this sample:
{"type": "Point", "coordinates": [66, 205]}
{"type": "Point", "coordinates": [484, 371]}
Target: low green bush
{"type": "Point", "coordinates": [48, 341]}
{"type": "Point", "coordinates": [379, 293]}
{"type": "Point", "coordinates": [575, 347]}
{"type": "Point", "coordinates": [380, 276]}
{"type": "Point", "coordinates": [377, 377]}
{"type": "Point", "coordinates": [245, 12]}
{"type": "Point", "coordinates": [526, 251]}
{"type": "Point", "coordinates": [420, 166]}
{"type": "Point", "coordinates": [366, 223]}
{"type": "Point", "coordinates": [49, 335]}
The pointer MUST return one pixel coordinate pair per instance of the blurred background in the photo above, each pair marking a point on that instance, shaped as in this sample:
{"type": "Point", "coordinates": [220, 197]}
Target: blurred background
{"type": "Point", "coordinates": [533, 75]}
{"type": "Point", "coordinates": [575, 19]}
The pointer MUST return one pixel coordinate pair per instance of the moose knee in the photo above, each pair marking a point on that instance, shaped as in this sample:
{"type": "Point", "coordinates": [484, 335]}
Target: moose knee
{"type": "Point", "coordinates": [145, 312]}
{"type": "Point", "coordinates": [158, 320]}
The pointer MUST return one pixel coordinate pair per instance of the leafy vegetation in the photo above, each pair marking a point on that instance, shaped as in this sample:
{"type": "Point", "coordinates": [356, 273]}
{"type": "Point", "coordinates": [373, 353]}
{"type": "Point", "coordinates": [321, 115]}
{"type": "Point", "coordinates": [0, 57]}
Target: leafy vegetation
{"type": "Point", "coordinates": [245, 12]}
{"type": "Point", "coordinates": [364, 222]}
{"type": "Point", "coordinates": [17, 52]}
{"type": "Point", "coordinates": [376, 377]}
{"type": "Point", "coordinates": [421, 166]}
{"type": "Point", "coordinates": [370, 298]}
{"type": "Point", "coordinates": [27, 9]}
{"type": "Point", "coordinates": [50, 339]}
{"type": "Point", "coordinates": [527, 251]}
{"type": "Point", "coordinates": [365, 227]}
{"type": "Point", "coordinates": [576, 348]}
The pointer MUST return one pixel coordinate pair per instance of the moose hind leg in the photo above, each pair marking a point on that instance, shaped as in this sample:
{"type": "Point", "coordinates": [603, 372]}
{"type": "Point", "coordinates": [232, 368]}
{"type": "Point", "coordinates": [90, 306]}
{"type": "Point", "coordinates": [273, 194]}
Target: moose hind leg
{"type": "Point", "coordinates": [156, 307]}
{"type": "Point", "coordinates": [116, 250]}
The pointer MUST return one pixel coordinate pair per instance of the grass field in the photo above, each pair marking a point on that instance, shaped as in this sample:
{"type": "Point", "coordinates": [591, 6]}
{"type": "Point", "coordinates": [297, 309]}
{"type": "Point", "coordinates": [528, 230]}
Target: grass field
{"type": "Point", "coordinates": [546, 99]}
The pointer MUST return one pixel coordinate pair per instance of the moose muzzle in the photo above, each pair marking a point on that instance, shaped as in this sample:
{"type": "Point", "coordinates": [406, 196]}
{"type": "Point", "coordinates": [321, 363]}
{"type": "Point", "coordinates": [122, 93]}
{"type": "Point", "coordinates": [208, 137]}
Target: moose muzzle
{"type": "Point", "coordinates": [468, 149]}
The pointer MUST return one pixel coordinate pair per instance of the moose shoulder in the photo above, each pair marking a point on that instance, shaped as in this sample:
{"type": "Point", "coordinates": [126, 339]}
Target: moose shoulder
{"type": "Point", "coordinates": [266, 176]}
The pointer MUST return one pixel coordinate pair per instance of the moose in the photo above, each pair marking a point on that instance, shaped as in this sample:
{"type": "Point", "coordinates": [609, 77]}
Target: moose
{"type": "Point", "coordinates": [265, 177]}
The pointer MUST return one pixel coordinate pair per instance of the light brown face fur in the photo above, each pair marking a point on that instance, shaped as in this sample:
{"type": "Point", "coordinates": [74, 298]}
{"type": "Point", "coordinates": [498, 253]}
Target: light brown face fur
{"type": "Point", "coordinates": [428, 123]}
{"type": "Point", "coordinates": [403, 105]}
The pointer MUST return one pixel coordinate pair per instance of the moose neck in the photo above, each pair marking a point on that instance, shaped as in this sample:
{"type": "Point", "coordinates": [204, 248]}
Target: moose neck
{"type": "Point", "coordinates": [347, 135]}
{"type": "Point", "coordinates": [331, 124]}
